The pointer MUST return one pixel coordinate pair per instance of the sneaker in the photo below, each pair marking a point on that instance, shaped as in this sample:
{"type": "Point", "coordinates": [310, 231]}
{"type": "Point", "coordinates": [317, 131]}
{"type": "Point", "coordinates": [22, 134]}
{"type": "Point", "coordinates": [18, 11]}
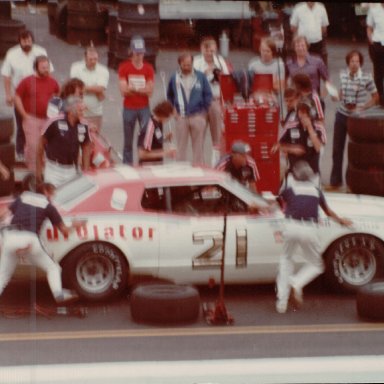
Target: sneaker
{"type": "Point", "coordinates": [281, 306]}
{"type": "Point", "coordinates": [66, 297]}
{"type": "Point", "coordinates": [19, 157]}
{"type": "Point", "coordinates": [297, 296]}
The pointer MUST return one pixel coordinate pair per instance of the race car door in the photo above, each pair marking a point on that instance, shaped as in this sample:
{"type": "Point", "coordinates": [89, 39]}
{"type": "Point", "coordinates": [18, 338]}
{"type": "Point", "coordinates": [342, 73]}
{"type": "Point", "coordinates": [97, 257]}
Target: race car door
{"type": "Point", "coordinates": [191, 236]}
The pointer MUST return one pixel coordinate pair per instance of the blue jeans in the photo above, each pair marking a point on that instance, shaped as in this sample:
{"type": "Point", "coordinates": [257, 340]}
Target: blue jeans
{"type": "Point", "coordinates": [129, 120]}
{"type": "Point", "coordinates": [339, 139]}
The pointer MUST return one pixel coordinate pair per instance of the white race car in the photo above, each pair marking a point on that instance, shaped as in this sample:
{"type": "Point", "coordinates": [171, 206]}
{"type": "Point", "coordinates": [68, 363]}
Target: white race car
{"type": "Point", "coordinates": [167, 222]}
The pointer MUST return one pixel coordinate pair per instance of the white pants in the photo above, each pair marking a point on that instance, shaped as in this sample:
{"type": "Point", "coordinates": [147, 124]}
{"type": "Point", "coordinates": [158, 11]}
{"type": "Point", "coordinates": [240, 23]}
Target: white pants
{"type": "Point", "coordinates": [304, 235]}
{"type": "Point", "coordinates": [57, 174]}
{"type": "Point", "coordinates": [13, 243]}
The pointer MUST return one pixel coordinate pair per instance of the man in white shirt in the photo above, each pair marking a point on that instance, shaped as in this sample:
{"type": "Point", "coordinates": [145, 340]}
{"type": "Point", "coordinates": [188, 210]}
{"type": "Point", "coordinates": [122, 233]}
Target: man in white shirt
{"type": "Point", "coordinates": [95, 77]}
{"type": "Point", "coordinates": [310, 19]}
{"type": "Point", "coordinates": [212, 65]}
{"type": "Point", "coordinates": [17, 65]}
{"type": "Point", "coordinates": [375, 33]}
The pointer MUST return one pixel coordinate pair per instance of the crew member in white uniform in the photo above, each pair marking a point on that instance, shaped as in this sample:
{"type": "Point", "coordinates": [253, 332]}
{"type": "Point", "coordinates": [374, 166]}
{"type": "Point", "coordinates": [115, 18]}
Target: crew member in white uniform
{"type": "Point", "coordinates": [301, 198]}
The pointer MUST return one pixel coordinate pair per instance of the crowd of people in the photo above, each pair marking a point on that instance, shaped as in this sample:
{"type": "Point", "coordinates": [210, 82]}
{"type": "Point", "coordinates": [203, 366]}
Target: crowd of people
{"type": "Point", "coordinates": [55, 124]}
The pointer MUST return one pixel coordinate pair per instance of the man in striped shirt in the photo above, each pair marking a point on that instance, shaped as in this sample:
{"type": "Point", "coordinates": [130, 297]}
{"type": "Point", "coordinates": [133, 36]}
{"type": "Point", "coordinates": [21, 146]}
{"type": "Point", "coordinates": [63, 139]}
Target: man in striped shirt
{"type": "Point", "coordinates": [240, 165]}
{"type": "Point", "coordinates": [357, 93]}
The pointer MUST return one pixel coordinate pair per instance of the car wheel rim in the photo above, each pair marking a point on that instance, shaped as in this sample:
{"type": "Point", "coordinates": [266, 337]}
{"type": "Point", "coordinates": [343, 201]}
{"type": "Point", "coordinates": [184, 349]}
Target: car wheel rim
{"type": "Point", "coordinates": [95, 273]}
{"type": "Point", "coordinates": [357, 266]}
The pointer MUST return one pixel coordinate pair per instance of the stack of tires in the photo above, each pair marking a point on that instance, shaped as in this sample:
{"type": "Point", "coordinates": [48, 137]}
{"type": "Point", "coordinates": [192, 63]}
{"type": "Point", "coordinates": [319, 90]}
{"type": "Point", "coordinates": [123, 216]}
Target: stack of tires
{"type": "Point", "coordinates": [138, 18]}
{"type": "Point", "coordinates": [9, 34]}
{"type": "Point", "coordinates": [85, 23]}
{"type": "Point", "coordinates": [112, 40]}
{"type": "Point", "coordinates": [365, 172]}
{"type": "Point", "coordinates": [57, 17]}
{"type": "Point", "coordinates": [7, 153]}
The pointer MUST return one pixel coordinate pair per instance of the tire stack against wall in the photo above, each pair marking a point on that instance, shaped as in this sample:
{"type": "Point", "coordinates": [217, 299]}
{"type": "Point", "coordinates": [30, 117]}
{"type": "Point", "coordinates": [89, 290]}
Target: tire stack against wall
{"type": "Point", "coordinates": [138, 18]}
{"type": "Point", "coordinates": [365, 172]}
{"type": "Point", "coordinates": [7, 153]}
{"type": "Point", "coordinates": [86, 23]}
{"type": "Point", "coordinates": [57, 17]}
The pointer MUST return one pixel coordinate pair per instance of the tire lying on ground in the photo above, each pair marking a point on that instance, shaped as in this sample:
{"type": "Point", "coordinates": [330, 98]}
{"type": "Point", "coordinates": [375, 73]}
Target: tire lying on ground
{"type": "Point", "coordinates": [164, 303]}
{"type": "Point", "coordinates": [368, 181]}
{"type": "Point", "coordinates": [370, 301]}
{"type": "Point", "coordinates": [6, 128]}
{"type": "Point", "coordinates": [363, 155]}
{"type": "Point", "coordinates": [367, 126]}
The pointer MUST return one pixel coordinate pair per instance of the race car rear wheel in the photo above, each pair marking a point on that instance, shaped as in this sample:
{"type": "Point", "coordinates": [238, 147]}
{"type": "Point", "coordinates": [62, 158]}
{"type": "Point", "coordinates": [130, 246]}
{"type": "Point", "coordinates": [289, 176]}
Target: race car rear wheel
{"type": "Point", "coordinates": [353, 261]}
{"type": "Point", "coordinates": [97, 271]}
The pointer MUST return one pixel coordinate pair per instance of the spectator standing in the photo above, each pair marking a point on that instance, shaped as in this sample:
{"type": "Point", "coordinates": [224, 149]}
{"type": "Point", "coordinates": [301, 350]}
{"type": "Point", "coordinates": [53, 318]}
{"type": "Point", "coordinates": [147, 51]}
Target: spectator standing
{"type": "Point", "coordinates": [212, 65]}
{"type": "Point", "coordinates": [31, 99]}
{"type": "Point", "coordinates": [303, 62]}
{"type": "Point", "coordinates": [17, 65]}
{"type": "Point", "coordinates": [61, 142]}
{"type": "Point", "coordinates": [302, 199]}
{"type": "Point", "coordinates": [310, 19]}
{"type": "Point", "coordinates": [136, 81]}
{"type": "Point", "coordinates": [95, 77]}
{"type": "Point", "coordinates": [355, 88]}
{"type": "Point", "coordinates": [240, 165]}
{"type": "Point", "coordinates": [151, 138]}
{"type": "Point", "coordinates": [21, 238]}
{"type": "Point", "coordinates": [375, 33]}
{"type": "Point", "coordinates": [268, 63]}
{"type": "Point", "coordinates": [191, 95]}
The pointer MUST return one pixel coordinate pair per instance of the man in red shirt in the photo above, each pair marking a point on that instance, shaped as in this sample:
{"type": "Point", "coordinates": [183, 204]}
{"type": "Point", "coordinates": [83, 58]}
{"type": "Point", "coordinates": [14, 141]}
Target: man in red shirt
{"type": "Point", "coordinates": [31, 100]}
{"type": "Point", "coordinates": [136, 79]}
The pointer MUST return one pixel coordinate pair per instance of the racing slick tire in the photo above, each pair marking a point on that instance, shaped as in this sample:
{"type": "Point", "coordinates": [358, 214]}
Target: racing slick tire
{"type": "Point", "coordinates": [6, 128]}
{"type": "Point", "coordinates": [362, 155]}
{"type": "Point", "coordinates": [370, 301]}
{"type": "Point", "coordinates": [368, 181]}
{"type": "Point", "coordinates": [164, 303]}
{"type": "Point", "coordinates": [353, 261]}
{"type": "Point", "coordinates": [367, 126]}
{"type": "Point", "coordinates": [97, 271]}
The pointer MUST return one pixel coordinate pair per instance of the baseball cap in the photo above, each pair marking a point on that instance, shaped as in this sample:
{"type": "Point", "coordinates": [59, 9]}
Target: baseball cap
{"type": "Point", "coordinates": [240, 147]}
{"type": "Point", "coordinates": [137, 44]}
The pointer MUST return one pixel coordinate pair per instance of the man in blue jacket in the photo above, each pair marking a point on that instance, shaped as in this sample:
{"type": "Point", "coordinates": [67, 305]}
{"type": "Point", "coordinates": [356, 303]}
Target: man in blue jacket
{"type": "Point", "coordinates": [190, 94]}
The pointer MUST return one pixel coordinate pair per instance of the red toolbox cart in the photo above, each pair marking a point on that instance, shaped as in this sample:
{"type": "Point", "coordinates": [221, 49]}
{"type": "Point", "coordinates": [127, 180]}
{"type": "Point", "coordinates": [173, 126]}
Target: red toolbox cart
{"type": "Point", "coordinates": [256, 122]}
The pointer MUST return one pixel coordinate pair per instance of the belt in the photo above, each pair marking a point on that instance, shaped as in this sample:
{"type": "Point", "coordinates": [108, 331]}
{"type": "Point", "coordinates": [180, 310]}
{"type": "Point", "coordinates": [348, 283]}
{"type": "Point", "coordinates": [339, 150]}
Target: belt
{"type": "Point", "coordinates": [56, 162]}
{"type": "Point", "coordinates": [304, 220]}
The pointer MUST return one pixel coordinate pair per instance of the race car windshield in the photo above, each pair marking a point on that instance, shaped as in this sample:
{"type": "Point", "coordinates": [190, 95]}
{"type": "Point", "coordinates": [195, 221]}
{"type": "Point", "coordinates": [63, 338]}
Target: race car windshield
{"type": "Point", "coordinates": [73, 192]}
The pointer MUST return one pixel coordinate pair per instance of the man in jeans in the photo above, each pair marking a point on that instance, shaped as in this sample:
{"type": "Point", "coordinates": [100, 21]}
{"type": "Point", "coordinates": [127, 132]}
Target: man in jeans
{"type": "Point", "coordinates": [136, 80]}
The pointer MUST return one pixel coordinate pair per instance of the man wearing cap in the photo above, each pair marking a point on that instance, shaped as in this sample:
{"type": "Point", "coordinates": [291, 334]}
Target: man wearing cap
{"type": "Point", "coordinates": [240, 165]}
{"type": "Point", "coordinates": [136, 80]}
{"type": "Point", "coordinates": [301, 198]}
{"type": "Point", "coordinates": [61, 142]}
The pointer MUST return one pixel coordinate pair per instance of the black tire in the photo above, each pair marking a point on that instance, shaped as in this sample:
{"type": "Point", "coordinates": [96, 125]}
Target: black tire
{"type": "Point", "coordinates": [367, 127]}
{"type": "Point", "coordinates": [85, 37]}
{"type": "Point", "coordinates": [7, 187]}
{"type": "Point", "coordinates": [353, 261]}
{"type": "Point", "coordinates": [52, 9]}
{"type": "Point", "coordinates": [368, 181]}
{"type": "Point", "coordinates": [363, 155]}
{"type": "Point", "coordinates": [86, 21]}
{"type": "Point", "coordinates": [164, 303]}
{"type": "Point", "coordinates": [370, 301]}
{"type": "Point", "coordinates": [61, 19]}
{"type": "Point", "coordinates": [96, 271]}
{"type": "Point", "coordinates": [9, 30]}
{"type": "Point", "coordinates": [139, 10]}
{"type": "Point", "coordinates": [6, 128]}
{"type": "Point", "coordinates": [84, 6]}
{"type": "Point", "coordinates": [5, 10]}
{"type": "Point", "coordinates": [146, 29]}
{"type": "Point", "coordinates": [7, 155]}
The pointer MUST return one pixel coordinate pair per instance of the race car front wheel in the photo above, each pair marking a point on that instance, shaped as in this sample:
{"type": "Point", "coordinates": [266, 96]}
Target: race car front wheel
{"type": "Point", "coordinates": [97, 271]}
{"type": "Point", "coordinates": [353, 261]}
